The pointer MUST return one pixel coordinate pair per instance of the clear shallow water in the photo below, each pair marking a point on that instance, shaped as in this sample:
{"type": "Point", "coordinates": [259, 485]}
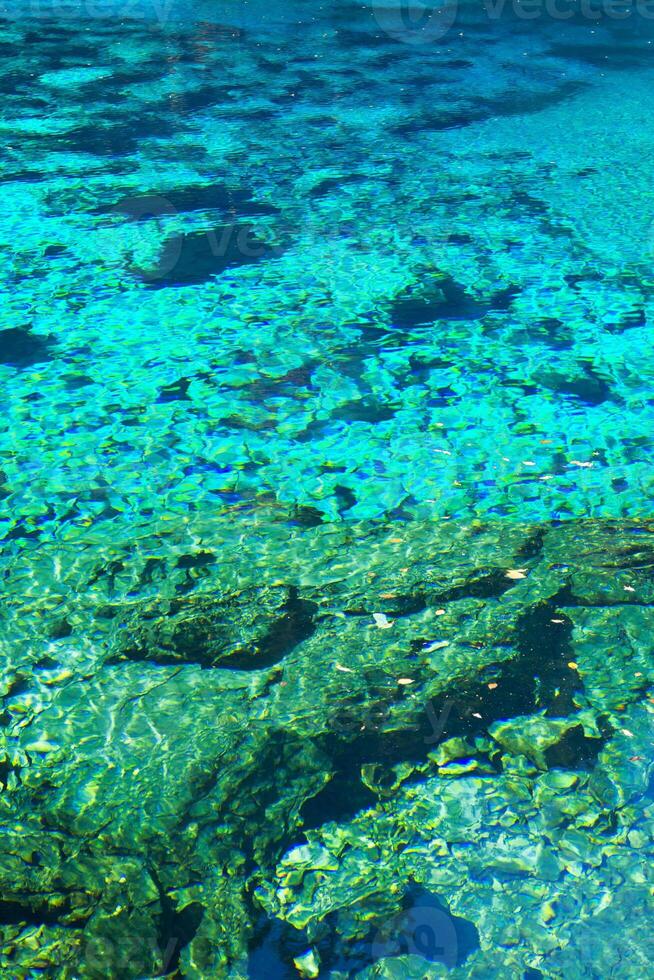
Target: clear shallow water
{"type": "Point", "coordinates": [305, 322]}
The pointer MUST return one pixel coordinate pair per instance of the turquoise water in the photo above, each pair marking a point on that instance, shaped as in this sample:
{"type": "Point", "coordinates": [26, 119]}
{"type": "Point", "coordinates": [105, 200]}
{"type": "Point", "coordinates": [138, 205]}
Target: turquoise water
{"type": "Point", "coordinates": [326, 469]}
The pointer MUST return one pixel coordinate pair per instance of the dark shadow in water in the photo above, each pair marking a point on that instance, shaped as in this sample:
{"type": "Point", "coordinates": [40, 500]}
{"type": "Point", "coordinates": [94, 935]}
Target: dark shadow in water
{"type": "Point", "coordinates": [175, 392]}
{"type": "Point", "coordinates": [552, 332]}
{"type": "Point", "coordinates": [589, 386]}
{"type": "Point", "coordinates": [121, 139]}
{"type": "Point", "coordinates": [193, 639]}
{"type": "Point", "coordinates": [537, 678]}
{"type": "Point", "coordinates": [461, 932]}
{"type": "Point", "coordinates": [424, 926]}
{"type": "Point", "coordinates": [514, 104]}
{"type": "Point", "coordinates": [20, 348]}
{"type": "Point", "coordinates": [363, 410]}
{"type": "Point", "coordinates": [176, 929]}
{"type": "Point", "coordinates": [272, 952]}
{"type": "Point", "coordinates": [295, 625]}
{"type": "Point", "coordinates": [192, 259]}
{"type": "Point", "coordinates": [444, 299]}
{"type": "Point", "coordinates": [615, 57]}
{"type": "Point", "coordinates": [38, 913]}
{"type": "Point", "coordinates": [195, 197]}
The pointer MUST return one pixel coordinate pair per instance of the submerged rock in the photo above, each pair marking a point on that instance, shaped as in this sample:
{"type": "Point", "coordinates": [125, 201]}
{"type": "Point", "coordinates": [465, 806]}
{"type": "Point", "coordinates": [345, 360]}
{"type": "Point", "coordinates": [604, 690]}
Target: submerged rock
{"type": "Point", "coordinates": [250, 630]}
{"type": "Point", "coordinates": [546, 741]}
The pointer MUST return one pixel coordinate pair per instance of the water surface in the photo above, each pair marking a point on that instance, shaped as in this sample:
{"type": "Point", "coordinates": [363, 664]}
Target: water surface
{"type": "Point", "coordinates": [326, 469]}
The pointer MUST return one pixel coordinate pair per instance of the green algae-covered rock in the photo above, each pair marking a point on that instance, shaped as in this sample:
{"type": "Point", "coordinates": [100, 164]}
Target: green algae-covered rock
{"type": "Point", "coordinates": [451, 749]}
{"type": "Point", "coordinates": [248, 630]}
{"type": "Point", "coordinates": [543, 740]}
